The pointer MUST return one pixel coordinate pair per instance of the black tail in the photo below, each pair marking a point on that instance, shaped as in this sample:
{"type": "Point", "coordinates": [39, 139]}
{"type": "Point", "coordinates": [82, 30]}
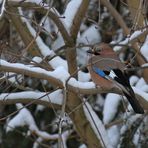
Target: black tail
{"type": "Point", "coordinates": [134, 103]}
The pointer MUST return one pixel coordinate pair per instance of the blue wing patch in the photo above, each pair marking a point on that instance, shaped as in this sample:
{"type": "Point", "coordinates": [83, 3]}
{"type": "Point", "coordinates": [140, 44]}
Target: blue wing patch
{"type": "Point", "coordinates": [99, 72]}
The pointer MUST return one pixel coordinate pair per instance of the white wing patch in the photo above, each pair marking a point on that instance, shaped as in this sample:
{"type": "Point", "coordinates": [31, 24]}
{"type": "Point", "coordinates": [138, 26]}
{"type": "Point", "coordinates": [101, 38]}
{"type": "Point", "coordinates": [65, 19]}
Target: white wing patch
{"type": "Point", "coordinates": [112, 74]}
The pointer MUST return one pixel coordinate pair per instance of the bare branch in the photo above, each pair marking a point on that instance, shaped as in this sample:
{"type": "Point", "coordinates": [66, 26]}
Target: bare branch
{"type": "Point", "coordinates": [52, 14]}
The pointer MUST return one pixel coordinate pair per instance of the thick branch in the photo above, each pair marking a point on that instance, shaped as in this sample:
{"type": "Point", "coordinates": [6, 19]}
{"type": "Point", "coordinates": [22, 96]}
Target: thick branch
{"type": "Point", "coordinates": [78, 19]}
{"type": "Point", "coordinates": [23, 31]}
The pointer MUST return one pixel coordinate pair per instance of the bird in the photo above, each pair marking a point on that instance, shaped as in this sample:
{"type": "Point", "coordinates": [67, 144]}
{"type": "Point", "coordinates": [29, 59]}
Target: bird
{"type": "Point", "coordinates": [107, 71]}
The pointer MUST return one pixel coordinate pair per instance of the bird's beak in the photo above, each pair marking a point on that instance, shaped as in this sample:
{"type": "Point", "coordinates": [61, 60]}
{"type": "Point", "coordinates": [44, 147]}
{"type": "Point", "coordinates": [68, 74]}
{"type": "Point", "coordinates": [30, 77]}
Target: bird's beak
{"type": "Point", "coordinates": [90, 51]}
{"type": "Point", "coordinates": [93, 52]}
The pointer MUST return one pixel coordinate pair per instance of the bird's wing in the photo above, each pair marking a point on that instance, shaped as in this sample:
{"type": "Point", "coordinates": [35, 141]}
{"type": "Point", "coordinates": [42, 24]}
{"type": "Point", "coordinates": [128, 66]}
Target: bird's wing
{"type": "Point", "coordinates": [106, 63]}
{"type": "Point", "coordinates": [120, 79]}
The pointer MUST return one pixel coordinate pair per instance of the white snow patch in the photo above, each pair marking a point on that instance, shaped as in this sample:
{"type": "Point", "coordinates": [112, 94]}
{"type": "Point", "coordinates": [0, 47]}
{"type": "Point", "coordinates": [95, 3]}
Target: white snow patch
{"type": "Point", "coordinates": [84, 85]}
{"type": "Point", "coordinates": [91, 35]}
{"type": "Point", "coordinates": [110, 107]}
{"type": "Point", "coordinates": [59, 73]}
{"type": "Point", "coordinates": [140, 83]}
{"type": "Point", "coordinates": [55, 97]}
{"type": "Point", "coordinates": [128, 39]}
{"type": "Point", "coordinates": [83, 77]}
{"type": "Point", "coordinates": [23, 118]}
{"type": "Point", "coordinates": [141, 93]}
{"type": "Point", "coordinates": [144, 48]}
{"type": "Point", "coordinates": [133, 80]}
{"type": "Point", "coordinates": [70, 12]}
{"type": "Point", "coordinates": [83, 146]}
{"type": "Point", "coordinates": [98, 123]}
{"type": "Point", "coordinates": [36, 59]}
{"type": "Point", "coordinates": [57, 61]}
{"type": "Point", "coordinates": [114, 135]}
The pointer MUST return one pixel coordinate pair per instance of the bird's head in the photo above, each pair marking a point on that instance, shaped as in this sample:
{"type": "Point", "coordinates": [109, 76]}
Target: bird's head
{"type": "Point", "coordinates": [101, 49]}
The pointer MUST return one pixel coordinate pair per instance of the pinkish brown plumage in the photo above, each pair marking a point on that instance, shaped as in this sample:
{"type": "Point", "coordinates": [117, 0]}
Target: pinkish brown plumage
{"type": "Point", "coordinates": [107, 71]}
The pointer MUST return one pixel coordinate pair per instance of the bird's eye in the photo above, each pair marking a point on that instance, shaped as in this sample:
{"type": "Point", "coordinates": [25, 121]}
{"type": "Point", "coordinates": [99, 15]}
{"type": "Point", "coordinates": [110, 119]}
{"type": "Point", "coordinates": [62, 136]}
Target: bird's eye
{"type": "Point", "coordinates": [98, 49]}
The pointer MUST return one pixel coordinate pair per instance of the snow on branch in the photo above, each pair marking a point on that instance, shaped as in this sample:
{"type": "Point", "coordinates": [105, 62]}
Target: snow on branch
{"type": "Point", "coordinates": [70, 12]}
{"type": "Point", "coordinates": [31, 1]}
{"type": "Point", "coordinates": [44, 49]}
{"type": "Point", "coordinates": [57, 76]}
{"type": "Point", "coordinates": [100, 131]}
{"type": "Point", "coordinates": [2, 7]}
{"type": "Point", "coordinates": [23, 118]}
{"type": "Point", "coordinates": [67, 21]}
{"type": "Point", "coordinates": [55, 97]}
{"type": "Point", "coordinates": [133, 37]}
{"type": "Point", "coordinates": [111, 107]}
{"type": "Point", "coordinates": [141, 93]}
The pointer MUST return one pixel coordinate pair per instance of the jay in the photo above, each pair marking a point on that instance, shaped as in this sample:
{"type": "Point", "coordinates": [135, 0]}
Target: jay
{"type": "Point", "coordinates": [107, 71]}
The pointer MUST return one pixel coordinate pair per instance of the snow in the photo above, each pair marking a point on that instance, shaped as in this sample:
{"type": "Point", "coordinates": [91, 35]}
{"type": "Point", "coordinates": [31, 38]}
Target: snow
{"type": "Point", "coordinates": [2, 7]}
{"type": "Point", "coordinates": [36, 59]}
{"type": "Point", "coordinates": [131, 121]}
{"type": "Point", "coordinates": [83, 77]}
{"type": "Point", "coordinates": [98, 123]}
{"type": "Point", "coordinates": [144, 48]}
{"type": "Point", "coordinates": [133, 80]}
{"type": "Point", "coordinates": [83, 146]}
{"type": "Point", "coordinates": [67, 21]}
{"type": "Point", "coordinates": [136, 138]}
{"type": "Point", "coordinates": [59, 73]}
{"type": "Point", "coordinates": [144, 65]}
{"type": "Point", "coordinates": [40, 108]}
{"type": "Point", "coordinates": [141, 82]}
{"type": "Point", "coordinates": [144, 88]}
{"type": "Point", "coordinates": [44, 49]}
{"type": "Point", "coordinates": [78, 84]}
{"type": "Point", "coordinates": [89, 36]}
{"type": "Point", "coordinates": [141, 93]}
{"type": "Point", "coordinates": [23, 118]}
{"type": "Point", "coordinates": [57, 61]}
{"type": "Point", "coordinates": [46, 23]}
{"type": "Point", "coordinates": [55, 97]}
{"type": "Point", "coordinates": [36, 143]}
{"type": "Point", "coordinates": [59, 42]}
{"type": "Point", "coordinates": [114, 135]}
{"type": "Point", "coordinates": [14, 78]}
{"type": "Point", "coordinates": [110, 107]}
{"type": "Point", "coordinates": [65, 121]}
{"type": "Point", "coordinates": [99, 103]}
{"type": "Point", "coordinates": [128, 39]}
{"type": "Point", "coordinates": [31, 1]}
{"type": "Point", "coordinates": [65, 136]}
{"type": "Point", "coordinates": [70, 12]}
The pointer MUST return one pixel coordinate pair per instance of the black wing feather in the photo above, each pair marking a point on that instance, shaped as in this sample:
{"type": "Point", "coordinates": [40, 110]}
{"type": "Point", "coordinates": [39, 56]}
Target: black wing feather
{"type": "Point", "coordinates": [122, 79]}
